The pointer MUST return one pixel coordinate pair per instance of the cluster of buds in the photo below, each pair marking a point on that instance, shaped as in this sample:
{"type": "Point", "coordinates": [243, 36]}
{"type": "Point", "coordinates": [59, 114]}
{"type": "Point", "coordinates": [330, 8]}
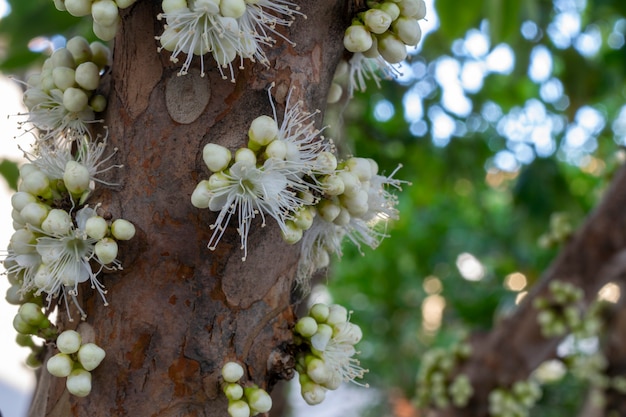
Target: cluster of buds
{"type": "Point", "coordinates": [243, 401]}
{"type": "Point", "coordinates": [378, 37]}
{"type": "Point", "coordinates": [226, 29]}
{"type": "Point", "coordinates": [53, 246]}
{"type": "Point", "coordinates": [563, 312]}
{"type": "Point", "coordinates": [515, 402]}
{"type": "Point", "coordinates": [105, 13]}
{"type": "Point", "coordinates": [75, 361]}
{"type": "Point", "coordinates": [31, 321]}
{"type": "Point", "coordinates": [326, 339]}
{"type": "Point", "coordinates": [62, 100]}
{"type": "Point", "coordinates": [560, 230]}
{"type": "Point", "coordinates": [435, 382]}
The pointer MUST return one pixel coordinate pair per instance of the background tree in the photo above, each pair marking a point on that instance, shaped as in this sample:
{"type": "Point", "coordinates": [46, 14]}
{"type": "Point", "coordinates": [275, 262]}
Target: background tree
{"type": "Point", "coordinates": [505, 160]}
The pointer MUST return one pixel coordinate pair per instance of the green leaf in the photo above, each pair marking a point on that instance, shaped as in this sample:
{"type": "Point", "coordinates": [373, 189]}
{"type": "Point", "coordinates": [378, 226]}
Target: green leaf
{"type": "Point", "coordinates": [8, 169]}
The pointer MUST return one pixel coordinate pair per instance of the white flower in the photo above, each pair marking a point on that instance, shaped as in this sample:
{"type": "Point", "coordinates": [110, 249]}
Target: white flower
{"type": "Point", "coordinates": [51, 157]}
{"type": "Point", "coordinates": [48, 114]}
{"type": "Point", "coordinates": [198, 30]}
{"type": "Point", "coordinates": [362, 69]}
{"type": "Point", "coordinates": [61, 262]}
{"type": "Point", "coordinates": [249, 190]}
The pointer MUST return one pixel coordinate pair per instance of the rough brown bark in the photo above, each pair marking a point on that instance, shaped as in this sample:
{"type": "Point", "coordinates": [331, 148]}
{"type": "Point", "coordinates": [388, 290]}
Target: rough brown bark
{"type": "Point", "coordinates": [595, 255]}
{"type": "Point", "coordinates": [179, 311]}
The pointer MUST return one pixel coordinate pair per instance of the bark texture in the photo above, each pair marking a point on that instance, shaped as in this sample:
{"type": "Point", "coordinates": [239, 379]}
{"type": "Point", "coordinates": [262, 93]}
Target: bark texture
{"type": "Point", "coordinates": [178, 311]}
{"type": "Point", "coordinates": [594, 256]}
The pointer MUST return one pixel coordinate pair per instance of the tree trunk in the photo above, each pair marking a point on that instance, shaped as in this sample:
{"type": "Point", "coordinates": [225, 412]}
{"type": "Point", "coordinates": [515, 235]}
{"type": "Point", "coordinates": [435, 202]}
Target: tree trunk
{"type": "Point", "coordinates": [179, 311]}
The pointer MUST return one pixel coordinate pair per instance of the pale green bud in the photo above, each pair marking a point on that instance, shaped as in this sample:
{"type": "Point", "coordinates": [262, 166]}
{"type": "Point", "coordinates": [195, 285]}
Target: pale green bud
{"type": "Point", "coordinates": [62, 58]}
{"type": "Point", "coordinates": [79, 48]}
{"type": "Point", "coordinates": [391, 48]}
{"type": "Point", "coordinates": [304, 218]}
{"type": "Point", "coordinates": [87, 74]}
{"type": "Point", "coordinates": [377, 21]}
{"type": "Point", "coordinates": [57, 222]}
{"type": "Point", "coordinates": [351, 182]}
{"type": "Point", "coordinates": [96, 227]}
{"type": "Point", "coordinates": [291, 233]}
{"type": "Point", "coordinates": [63, 77]}
{"type": "Point", "coordinates": [201, 196]}
{"type": "Point", "coordinates": [35, 213]}
{"type": "Point", "coordinates": [233, 391]}
{"type": "Point", "coordinates": [69, 341]}
{"type": "Point", "coordinates": [170, 6]}
{"type": "Point", "coordinates": [238, 408]}
{"type": "Point", "coordinates": [78, 8]}
{"type": "Point", "coordinates": [101, 54]}
{"type": "Point", "coordinates": [391, 9]}
{"type": "Point", "coordinates": [337, 315]}
{"type": "Point", "coordinates": [104, 12]}
{"type": "Point", "coordinates": [263, 130]}
{"type": "Point", "coordinates": [31, 314]}
{"type": "Point", "coordinates": [245, 155]}
{"type": "Point", "coordinates": [20, 199]}
{"type": "Point", "coordinates": [60, 365]}
{"type": "Point", "coordinates": [76, 177]}
{"type": "Point", "coordinates": [105, 32]}
{"type": "Point", "coordinates": [232, 372]}
{"type": "Point", "coordinates": [216, 157]}
{"type": "Point", "coordinates": [276, 149]}
{"type": "Point", "coordinates": [106, 250]}
{"type": "Point", "coordinates": [258, 399]}
{"type": "Point", "coordinates": [407, 30]}
{"type": "Point", "coordinates": [322, 336]}
{"type": "Point", "coordinates": [232, 8]}
{"type": "Point", "coordinates": [79, 382]}
{"type": "Point", "coordinates": [98, 103]}
{"type": "Point", "coordinates": [313, 393]}
{"type": "Point", "coordinates": [90, 356]}
{"type": "Point", "coordinates": [123, 229]}
{"type": "Point", "coordinates": [328, 210]}
{"type": "Point", "coordinates": [306, 326]}
{"type": "Point", "coordinates": [320, 312]}
{"type": "Point", "coordinates": [21, 326]}
{"type": "Point", "coordinates": [357, 39]}
{"type": "Point", "coordinates": [318, 371]}
{"type": "Point", "coordinates": [75, 99]}
{"type": "Point", "coordinates": [333, 185]}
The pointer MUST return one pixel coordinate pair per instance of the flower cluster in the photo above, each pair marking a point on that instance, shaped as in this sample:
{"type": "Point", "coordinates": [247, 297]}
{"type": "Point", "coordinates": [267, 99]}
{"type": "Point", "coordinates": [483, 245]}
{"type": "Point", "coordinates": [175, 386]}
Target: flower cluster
{"type": "Point", "coordinates": [326, 340]}
{"type": "Point", "coordinates": [225, 28]}
{"type": "Point", "coordinates": [75, 360]}
{"type": "Point", "coordinates": [378, 38]}
{"type": "Point", "coordinates": [243, 401]}
{"type": "Point", "coordinates": [105, 13]}
{"type": "Point", "coordinates": [31, 321]}
{"type": "Point", "coordinates": [435, 384]}
{"type": "Point", "coordinates": [290, 173]}
{"type": "Point", "coordinates": [274, 175]}
{"type": "Point", "coordinates": [561, 228]}
{"type": "Point", "coordinates": [515, 402]}
{"type": "Point", "coordinates": [54, 244]}
{"type": "Point", "coordinates": [563, 313]}
{"type": "Point", "coordinates": [62, 100]}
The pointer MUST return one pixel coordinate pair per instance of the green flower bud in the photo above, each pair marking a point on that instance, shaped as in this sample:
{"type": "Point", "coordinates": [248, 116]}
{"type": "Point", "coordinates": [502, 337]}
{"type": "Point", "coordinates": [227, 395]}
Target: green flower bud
{"type": "Point", "coordinates": [233, 391]}
{"type": "Point", "coordinates": [306, 326]}
{"type": "Point", "coordinates": [60, 365]}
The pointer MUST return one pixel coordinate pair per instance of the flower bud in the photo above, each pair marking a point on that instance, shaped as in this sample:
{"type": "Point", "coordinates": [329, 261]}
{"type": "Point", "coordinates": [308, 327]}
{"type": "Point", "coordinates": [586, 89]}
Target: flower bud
{"type": "Point", "coordinates": [79, 381]}
{"type": "Point", "coordinates": [75, 99]}
{"type": "Point", "coordinates": [57, 222]}
{"type": "Point", "coordinates": [69, 341]}
{"type": "Point", "coordinates": [232, 372]}
{"type": "Point", "coordinates": [101, 54]}
{"type": "Point", "coordinates": [343, 218]}
{"type": "Point", "coordinates": [96, 227]}
{"type": "Point", "coordinates": [312, 393]}
{"type": "Point", "coordinates": [216, 157]}
{"type": "Point", "coordinates": [333, 185]}
{"type": "Point", "coordinates": [122, 229]}
{"type": "Point", "coordinates": [334, 93]}
{"type": "Point", "coordinates": [263, 130]}
{"type": "Point", "coordinates": [258, 399]}
{"type": "Point", "coordinates": [13, 295]}
{"type": "Point", "coordinates": [391, 9]}
{"type": "Point", "coordinates": [337, 315]}
{"type": "Point", "coordinates": [320, 312]}
{"type": "Point", "coordinates": [407, 30]}
{"type": "Point", "coordinates": [23, 242]}
{"type": "Point", "coordinates": [104, 12]}
{"type": "Point", "coordinates": [122, 4]}
{"type": "Point", "coordinates": [326, 162]}
{"type": "Point", "coordinates": [87, 74]}
{"type": "Point", "coordinates": [76, 177]}
{"type": "Point", "coordinates": [306, 326]}
{"type": "Point", "coordinates": [90, 356]}
{"type": "Point", "coordinates": [232, 8]}
{"type": "Point", "coordinates": [60, 365]}
{"type": "Point", "coordinates": [78, 8]}
{"type": "Point", "coordinates": [79, 48]}
{"type": "Point", "coordinates": [63, 77]}
{"type": "Point", "coordinates": [377, 21]}
{"type": "Point", "coordinates": [359, 167]}
{"type": "Point", "coordinates": [98, 103]}
{"type": "Point", "coordinates": [34, 213]}
{"type": "Point", "coordinates": [391, 48]}
{"type": "Point", "coordinates": [36, 183]}
{"type": "Point", "coordinates": [318, 371]}
{"type": "Point", "coordinates": [276, 149]}
{"type": "Point", "coordinates": [21, 326]}
{"type": "Point", "coordinates": [357, 39]}
{"type": "Point", "coordinates": [238, 408]}
{"type": "Point", "coordinates": [321, 337]}
{"type": "Point", "coordinates": [233, 391]}
{"type": "Point", "coordinates": [304, 218]}
{"type": "Point", "coordinates": [106, 250]}
{"type": "Point", "coordinates": [356, 204]}
{"type": "Point", "coordinates": [328, 210]}
{"type": "Point", "coordinates": [245, 155]}
{"type": "Point", "coordinates": [20, 199]}
{"type": "Point", "coordinates": [351, 183]}
{"type": "Point", "coordinates": [291, 233]}
{"type": "Point", "coordinates": [201, 196]}
{"type": "Point", "coordinates": [31, 314]}
{"type": "Point", "coordinates": [350, 332]}
{"type": "Point", "coordinates": [170, 6]}
{"type": "Point", "coordinates": [105, 32]}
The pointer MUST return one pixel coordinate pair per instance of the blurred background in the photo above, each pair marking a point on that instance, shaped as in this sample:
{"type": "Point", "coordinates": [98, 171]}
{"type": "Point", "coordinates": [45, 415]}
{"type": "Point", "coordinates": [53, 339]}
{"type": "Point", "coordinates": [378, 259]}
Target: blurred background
{"type": "Point", "coordinates": [509, 120]}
